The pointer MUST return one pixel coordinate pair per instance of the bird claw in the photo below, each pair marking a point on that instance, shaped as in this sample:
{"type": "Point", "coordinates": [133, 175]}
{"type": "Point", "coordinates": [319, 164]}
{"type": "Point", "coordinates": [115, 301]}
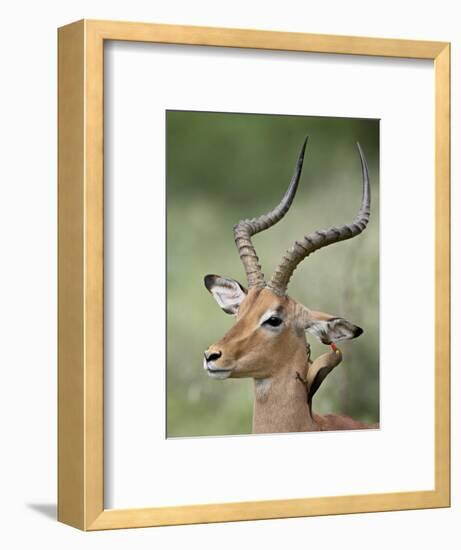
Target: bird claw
{"type": "Point", "coordinates": [301, 379]}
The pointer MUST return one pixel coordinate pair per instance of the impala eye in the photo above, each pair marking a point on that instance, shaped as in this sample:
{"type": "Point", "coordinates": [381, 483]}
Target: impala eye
{"type": "Point", "coordinates": [273, 321]}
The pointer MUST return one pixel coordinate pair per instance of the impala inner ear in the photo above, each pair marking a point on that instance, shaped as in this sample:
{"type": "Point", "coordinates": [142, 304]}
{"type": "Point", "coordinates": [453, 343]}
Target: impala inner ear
{"type": "Point", "coordinates": [229, 294]}
{"type": "Point", "coordinates": [331, 330]}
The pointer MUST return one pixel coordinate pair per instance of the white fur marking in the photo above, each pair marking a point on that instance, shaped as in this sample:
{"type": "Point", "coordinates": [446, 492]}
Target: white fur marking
{"type": "Point", "coordinates": [267, 315]}
{"type": "Point", "coordinates": [262, 386]}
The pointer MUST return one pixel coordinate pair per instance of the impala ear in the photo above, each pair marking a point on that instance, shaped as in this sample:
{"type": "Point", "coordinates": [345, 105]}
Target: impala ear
{"type": "Point", "coordinates": [328, 329]}
{"type": "Point", "coordinates": [228, 293]}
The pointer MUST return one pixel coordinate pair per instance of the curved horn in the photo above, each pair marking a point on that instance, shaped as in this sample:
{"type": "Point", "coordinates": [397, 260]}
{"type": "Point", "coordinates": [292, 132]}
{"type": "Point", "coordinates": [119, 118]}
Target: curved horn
{"type": "Point", "coordinates": [245, 229]}
{"type": "Point", "coordinates": [318, 239]}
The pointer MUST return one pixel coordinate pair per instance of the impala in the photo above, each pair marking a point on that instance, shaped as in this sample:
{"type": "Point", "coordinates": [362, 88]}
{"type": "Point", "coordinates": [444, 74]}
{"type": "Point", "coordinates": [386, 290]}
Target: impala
{"type": "Point", "coordinates": [268, 340]}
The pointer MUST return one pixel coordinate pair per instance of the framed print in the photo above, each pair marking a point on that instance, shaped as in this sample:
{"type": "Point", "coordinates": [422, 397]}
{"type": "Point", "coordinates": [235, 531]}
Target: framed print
{"type": "Point", "coordinates": [211, 366]}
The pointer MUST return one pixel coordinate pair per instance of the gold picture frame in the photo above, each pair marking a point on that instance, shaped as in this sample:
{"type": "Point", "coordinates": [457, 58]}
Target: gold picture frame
{"type": "Point", "coordinates": [81, 265]}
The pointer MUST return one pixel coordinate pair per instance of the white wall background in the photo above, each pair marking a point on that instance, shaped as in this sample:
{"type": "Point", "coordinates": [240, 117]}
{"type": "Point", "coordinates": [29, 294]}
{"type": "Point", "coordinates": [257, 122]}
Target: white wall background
{"type": "Point", "coordinates": [28, 273]}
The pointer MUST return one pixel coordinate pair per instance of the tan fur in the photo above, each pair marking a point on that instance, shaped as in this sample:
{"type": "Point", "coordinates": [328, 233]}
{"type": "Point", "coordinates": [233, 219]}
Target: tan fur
{"type": "Point", "coordinates": [278, 361]}
{"type": "Point", "coordinates": [276, 357]}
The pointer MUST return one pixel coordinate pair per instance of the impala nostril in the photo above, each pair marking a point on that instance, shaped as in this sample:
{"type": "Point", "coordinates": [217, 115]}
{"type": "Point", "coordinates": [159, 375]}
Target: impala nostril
{"type": "Point", "coordinates": [213, 356]}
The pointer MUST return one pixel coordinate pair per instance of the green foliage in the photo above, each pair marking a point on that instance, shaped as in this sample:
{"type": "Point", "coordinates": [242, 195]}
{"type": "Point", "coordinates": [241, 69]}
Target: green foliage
{"type": "Point", "coordinates": [225, 167]}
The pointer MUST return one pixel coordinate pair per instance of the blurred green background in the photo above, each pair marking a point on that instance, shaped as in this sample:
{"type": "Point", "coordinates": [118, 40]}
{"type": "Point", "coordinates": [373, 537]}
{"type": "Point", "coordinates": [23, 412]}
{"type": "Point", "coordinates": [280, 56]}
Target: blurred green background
{"type": "Point", "coordinates": [222, 167]}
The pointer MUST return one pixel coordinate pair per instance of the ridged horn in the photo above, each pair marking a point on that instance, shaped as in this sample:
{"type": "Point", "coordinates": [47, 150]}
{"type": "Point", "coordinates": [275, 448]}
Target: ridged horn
{"type": "Point", "coordinates": [318, 239]}
{"type": "Point", "coordinates": [245, 229]}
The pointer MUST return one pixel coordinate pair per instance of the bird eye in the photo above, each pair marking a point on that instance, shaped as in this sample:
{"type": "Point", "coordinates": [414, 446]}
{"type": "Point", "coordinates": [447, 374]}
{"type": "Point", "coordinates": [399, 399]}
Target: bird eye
{"type": "Point", "coordinates": [273, 321]}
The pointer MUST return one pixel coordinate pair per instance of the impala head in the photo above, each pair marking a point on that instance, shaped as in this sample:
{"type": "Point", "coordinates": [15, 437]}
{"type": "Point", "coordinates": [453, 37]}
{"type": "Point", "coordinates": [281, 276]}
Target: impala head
{"type": "Point", "coordinates": [270, 326]}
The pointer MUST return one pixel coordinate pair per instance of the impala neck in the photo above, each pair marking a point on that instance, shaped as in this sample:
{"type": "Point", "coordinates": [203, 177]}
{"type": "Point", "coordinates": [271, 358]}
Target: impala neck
{"type": "Point", "coordinates": [280, 401]}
